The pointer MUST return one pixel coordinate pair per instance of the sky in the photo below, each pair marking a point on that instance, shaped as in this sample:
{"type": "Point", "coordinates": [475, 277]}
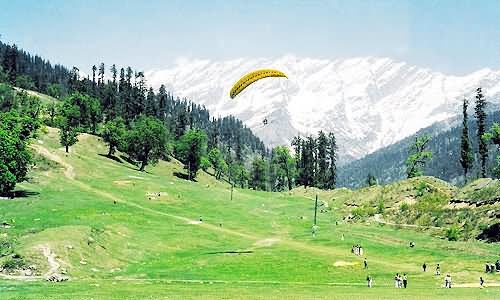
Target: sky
{"type": "Point", "coordinates": [454, 37]}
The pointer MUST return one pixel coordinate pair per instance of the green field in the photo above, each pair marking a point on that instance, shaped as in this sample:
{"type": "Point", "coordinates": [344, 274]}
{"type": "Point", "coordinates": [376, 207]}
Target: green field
{"type": "Point", "coordinates": [105, 224]}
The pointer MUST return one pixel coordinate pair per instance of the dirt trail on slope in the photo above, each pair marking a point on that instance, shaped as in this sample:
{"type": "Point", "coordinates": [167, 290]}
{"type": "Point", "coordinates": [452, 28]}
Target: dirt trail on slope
{"type": "Point", "coordinates": [53, 267]}
{"type": "Point", "coordinates": [68, 169]}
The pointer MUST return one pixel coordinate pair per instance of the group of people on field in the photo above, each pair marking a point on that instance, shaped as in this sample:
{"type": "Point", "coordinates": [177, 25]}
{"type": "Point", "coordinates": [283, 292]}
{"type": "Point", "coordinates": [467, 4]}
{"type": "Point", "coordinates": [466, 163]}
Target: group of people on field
{"type": "Point", "coordinates": [400, 281]}
{"type": "Point", "coordinates": [357, 250]}
{"type": "Point", "coordinates": [492, 268]}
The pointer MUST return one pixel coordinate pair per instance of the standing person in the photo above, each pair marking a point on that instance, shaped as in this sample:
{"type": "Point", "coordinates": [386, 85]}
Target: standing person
{"type": "Point", "coordinates": [438, 269]}
{"type": "Point", "coordinates": [447, 281]}
{"type": "Point", "coordinates": [366, 263]}
{"type": "Point", "coordinates": [369, 281]}
{"type": "Point", "coordinates": [424, 266]}
{"type": "Point", "coordinates": [481, 282]}
{"type": "Point", "coordinates": [360, 251]}
{"type": "Point", "coordinates": [405, 280]}
{"type": "Point", "coordinates": [396, 283]}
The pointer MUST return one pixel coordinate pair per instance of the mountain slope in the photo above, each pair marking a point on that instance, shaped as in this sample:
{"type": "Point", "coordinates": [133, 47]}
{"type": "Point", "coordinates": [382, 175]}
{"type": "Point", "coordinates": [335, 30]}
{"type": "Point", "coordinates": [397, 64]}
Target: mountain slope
{"type": "Point", "coordinates": [387, 164]}
{"type": "Point", "coordinates": [368, 102]}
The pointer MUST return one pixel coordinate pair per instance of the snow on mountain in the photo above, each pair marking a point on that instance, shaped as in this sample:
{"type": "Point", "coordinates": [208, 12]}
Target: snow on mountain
{"type": "Point", "coordinates": [368, 102]}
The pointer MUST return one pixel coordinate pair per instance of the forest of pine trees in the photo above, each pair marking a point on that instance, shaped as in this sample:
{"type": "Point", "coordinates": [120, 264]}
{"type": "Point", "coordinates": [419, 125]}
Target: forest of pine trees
{"type": "Point", "coordinates": [116, 104]}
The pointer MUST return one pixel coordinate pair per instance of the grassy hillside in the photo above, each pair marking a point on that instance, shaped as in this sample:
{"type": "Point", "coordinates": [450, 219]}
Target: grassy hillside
{"type": "Point", "coordinates": [429, 203]}
{"type": "Point", "coordinates": [44, 99]}
{"type": "Point", "coordinates": [102, 223]}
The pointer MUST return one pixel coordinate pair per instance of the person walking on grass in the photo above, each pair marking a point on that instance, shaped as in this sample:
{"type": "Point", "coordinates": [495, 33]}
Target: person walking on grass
{"type": "Point", "coordinates": [396, 281]}
{"type": "Point", "coordinates": [438, 270]}
{"type": "Point", "coordinates": [366, 263]}
{"type": "Point", "coordinates": [481, 282]}
{"type": "Point", "coordinates": [405, 280]}
{"type": "Point", "coordinates": [424, 266]}
{"type": "Point", "coordinates": [369, 281]}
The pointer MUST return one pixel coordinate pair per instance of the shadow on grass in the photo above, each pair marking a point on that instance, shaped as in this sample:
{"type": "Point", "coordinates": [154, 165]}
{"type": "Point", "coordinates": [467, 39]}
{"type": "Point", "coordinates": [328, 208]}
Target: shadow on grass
{"type": "Point", "coordinates": [129, 160]}
{"type": "Point", "coordinates": [112, 157]}
{"type": "Point", "coordinates": [183, 176]}
{"type": "Point", "coordinates": [19, 194]}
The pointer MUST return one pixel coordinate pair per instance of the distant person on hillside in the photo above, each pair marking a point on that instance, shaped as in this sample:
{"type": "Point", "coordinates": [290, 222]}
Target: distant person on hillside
{"type": "Point", "coordinates": [412, 244]}
{"type": "Point", "coordinates": [438, 269]}
{"type": "Point", "coordinates": [497, 265]}
{"type": "Point", "coordinates": [366, 263]}
{"type": "Point", "coordinates": [424, 266]}
{"type": "Point", "coordinates": [313, 230]}
{"type": "Point", "coordinates": [481, 282]}
{"type": "Point", "coordinates": [405, 280]}
{"type": "Point", "coordinates": [396, 281]}
{"type": "Point", "coordinates": [487, 268]}
{"type": "Point", "coordinates": [360, 251]}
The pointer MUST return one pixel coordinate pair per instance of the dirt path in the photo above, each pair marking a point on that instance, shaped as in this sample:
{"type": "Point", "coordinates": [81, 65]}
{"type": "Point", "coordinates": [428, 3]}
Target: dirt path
{"type": "Point", "coordinates": [68, 169]}
{"type": "Point", "coordinates": [53, 267]}
{"type": "Point", "coordinates": [378, 219]}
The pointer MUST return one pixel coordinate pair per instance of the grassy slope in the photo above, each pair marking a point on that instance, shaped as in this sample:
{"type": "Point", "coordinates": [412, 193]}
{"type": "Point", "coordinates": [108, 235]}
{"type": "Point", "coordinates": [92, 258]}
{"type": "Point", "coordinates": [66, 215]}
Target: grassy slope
{"type": "Point", "coordinates": [141, 248]}
{"type": "Point", "coordinates": [45, 99]}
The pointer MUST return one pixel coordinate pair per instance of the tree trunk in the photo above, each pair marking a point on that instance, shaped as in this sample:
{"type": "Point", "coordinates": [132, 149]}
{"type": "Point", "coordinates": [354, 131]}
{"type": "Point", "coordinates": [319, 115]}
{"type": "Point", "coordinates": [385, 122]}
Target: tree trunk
{"type": "Point", "coordinates": [111, 150]}
{"type": "Point", "coordinates": [67, 148]}
{"type": "Point", "coordinates": [143, 165]}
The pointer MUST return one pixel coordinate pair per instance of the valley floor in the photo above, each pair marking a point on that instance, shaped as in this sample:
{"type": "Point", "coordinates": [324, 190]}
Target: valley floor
{"type": "Point", "coordinates": [121, 234]}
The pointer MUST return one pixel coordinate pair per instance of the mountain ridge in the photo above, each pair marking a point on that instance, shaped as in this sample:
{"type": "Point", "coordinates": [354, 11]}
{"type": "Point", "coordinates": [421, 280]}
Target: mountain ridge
{"type": "Point", "coordinates": [376, 101]}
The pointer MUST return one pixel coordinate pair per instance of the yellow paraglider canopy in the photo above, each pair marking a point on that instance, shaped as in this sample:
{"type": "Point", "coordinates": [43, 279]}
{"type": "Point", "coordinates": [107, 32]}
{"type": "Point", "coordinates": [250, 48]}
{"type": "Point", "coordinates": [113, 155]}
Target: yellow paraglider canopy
{"type": "Point", "coordinates": [252, 77]}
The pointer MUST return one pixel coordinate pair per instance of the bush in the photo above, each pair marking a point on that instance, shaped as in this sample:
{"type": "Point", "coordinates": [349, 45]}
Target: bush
{"type": "Point", "coordinates": [404, 207]}
{"type": "Point", "coordinates": [16, 262]}
{"type": "Point", "coordinates": [358, 212]}
{"type": "Point", "coordinates": [381, 206]}
{"type": "Point", "coordinates": [5, 248]}
{"type": "Point", "coordinates": [421, 189]}
{"type": "Point", "coordinates": [453, 233]}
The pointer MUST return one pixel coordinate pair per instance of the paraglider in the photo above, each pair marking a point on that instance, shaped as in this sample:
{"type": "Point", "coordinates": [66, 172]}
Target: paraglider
{"type": "Point", "coordinates": [264, 121]}
{"type": "Point", "coordinates": [252, 77]}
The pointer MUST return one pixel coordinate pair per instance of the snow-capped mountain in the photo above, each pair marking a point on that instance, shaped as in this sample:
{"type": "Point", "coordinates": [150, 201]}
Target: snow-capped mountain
{"type": "Point", "coordinates": [367, 102]}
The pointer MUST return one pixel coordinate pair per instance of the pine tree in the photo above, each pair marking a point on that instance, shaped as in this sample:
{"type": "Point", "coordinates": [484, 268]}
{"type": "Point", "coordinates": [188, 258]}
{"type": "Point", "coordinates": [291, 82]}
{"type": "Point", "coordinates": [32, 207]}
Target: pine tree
{"type": "Point", "coordinates": [297, 148]}
{"type": "Point", "coordinates": [308, 157]}
{"type": "Point", "coordinates": [94, 69]}
{"type": "Point", "coordinates": [332, 161]}
{"type": "Point", "coordinates": [322, 144]}
{"type": "Point", "coordinates": [101, 75]}
{"type": "Point", "coordinates": [371, 180]}
{"type": "Point", "coordinates": [466, 158]}
{"type": "Point", "coordinates": [258, 174]}
{"type": "Point", "coordinates": [162, 103]}
{"type": "Point", "coordinates": [151, 107]}
{"type": "Point", "coordinates": [480, 114]}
